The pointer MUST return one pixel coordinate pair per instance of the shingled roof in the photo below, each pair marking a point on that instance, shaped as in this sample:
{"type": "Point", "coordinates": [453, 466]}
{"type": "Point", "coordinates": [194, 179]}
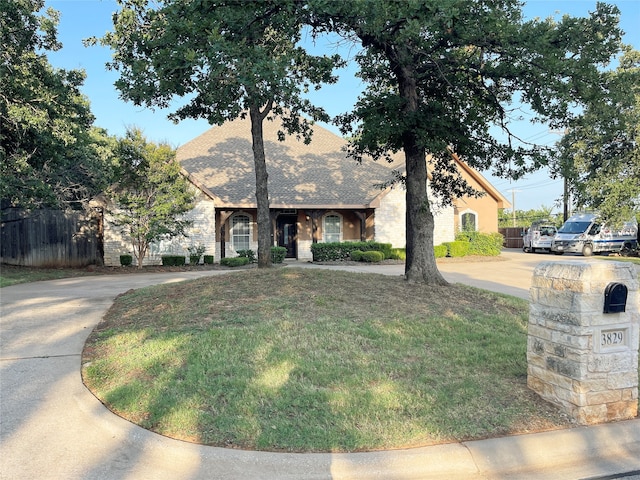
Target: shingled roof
{"type": "Point", "coordinates": [318, 175]}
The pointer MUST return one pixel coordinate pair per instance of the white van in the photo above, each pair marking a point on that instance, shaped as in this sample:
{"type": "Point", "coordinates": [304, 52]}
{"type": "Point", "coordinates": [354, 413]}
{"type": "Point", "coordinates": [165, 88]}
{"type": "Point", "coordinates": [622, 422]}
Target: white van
{"type": "Point", "coordinates": [583, 233]}
{"type": "Point", "coordinates": [539, 236]}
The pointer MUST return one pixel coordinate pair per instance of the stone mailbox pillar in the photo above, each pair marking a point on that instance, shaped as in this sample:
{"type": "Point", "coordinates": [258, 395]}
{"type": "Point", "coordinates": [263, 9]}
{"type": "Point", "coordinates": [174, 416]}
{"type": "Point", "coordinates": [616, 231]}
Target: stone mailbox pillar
{"type": "Point", "coordinates": [580, 358]}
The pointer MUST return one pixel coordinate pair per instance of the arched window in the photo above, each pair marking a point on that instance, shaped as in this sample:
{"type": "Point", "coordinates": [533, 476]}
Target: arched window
{"type": "Point", "coordinates": [332, 228]}
{"type": "Point", "coordinates": [240, 232]}
{"type": "Point", "coordinates": [469, 221]}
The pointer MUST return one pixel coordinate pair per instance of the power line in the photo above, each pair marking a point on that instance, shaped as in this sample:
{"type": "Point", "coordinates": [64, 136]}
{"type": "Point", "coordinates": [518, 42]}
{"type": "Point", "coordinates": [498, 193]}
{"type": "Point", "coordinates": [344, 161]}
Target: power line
{"type": "Point", "coordinates": [538, 184]}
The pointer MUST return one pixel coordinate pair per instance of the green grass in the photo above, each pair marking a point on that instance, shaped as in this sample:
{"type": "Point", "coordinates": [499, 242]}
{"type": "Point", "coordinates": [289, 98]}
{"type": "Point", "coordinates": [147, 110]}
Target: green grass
{"type": "Point", "coordinates": [635, 260]}
{"type": "Point", "coordinates": [299, 360]}
{"type": "Point", "coordinates": [13, 275]}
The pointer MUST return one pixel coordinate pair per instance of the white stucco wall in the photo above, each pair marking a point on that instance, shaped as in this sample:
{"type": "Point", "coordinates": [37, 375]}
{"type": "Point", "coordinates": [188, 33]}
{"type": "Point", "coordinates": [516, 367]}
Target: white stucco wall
{"type": "Point", "coordinates": [390, 225]}
{"type": "Point", "coordinates": [201, 232]}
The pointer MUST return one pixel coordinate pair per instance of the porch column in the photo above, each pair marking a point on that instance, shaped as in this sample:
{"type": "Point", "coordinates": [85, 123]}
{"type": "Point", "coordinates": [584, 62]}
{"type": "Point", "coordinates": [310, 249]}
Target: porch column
{"type": "Point", "coordinates": [362, 216]}
{"type": "Point", "coordinates": [273, 217]}
{"type": "Point", "coordinates": [224, 216]}
{"type": "Point", "coordinates": [315, 216]}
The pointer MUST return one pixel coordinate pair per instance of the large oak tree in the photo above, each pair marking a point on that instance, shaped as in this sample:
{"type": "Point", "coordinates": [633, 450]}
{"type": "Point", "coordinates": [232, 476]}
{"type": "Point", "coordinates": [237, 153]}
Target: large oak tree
{"type": "Point", "coordinates": [453, 76]}
{"type": "Point", "coordinates": [50, 155]}
{"type": "Point", "coordinates": [600, 153]}
{"type": "Point", "coordinates": [224, 59]}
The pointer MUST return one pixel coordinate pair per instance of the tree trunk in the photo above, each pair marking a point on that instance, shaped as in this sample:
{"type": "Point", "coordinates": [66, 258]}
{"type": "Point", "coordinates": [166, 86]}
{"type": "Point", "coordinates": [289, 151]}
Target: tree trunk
{"type": "Point", "coordinates": [139, 251]}
{"type": "Point", "coordinates": [420, 266]}
{"type": "Point", "coordinates": [262, 191]}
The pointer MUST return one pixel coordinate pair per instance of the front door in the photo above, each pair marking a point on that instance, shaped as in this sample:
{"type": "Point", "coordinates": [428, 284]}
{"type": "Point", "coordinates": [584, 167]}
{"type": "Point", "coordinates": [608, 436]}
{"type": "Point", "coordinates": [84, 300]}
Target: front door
{"type": "Point", "coordinates": [288, 234]}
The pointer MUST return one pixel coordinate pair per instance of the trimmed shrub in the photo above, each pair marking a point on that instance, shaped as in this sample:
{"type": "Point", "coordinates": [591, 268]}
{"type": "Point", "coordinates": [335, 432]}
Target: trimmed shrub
{"type": "Point", "coordinates": [323, 252]}
{"type": "Point", "coordinates": [340, 251]}
{"type": "Point", "coordinates": [208, 259]}
{"type": "Point", "coordinates": [440, 251]}
{"type": "Point", "coordinates": [485, 244]}
{"type": "Point", "coordinates": [278, 254]}
{"type": "Point", "coordinates": [234, 261]}
{"type": "Point", "coordinates": [173, 260]}
{"type": "Point", "coordinates": [372, 256]}
{"type": "Point", "coordinates": [356, 255]}
{"type": "Point", "coordinates": [126, 260]}
{"type": "Point", "coordinates": [385, 248]}
{"type": "Point", "coordinates": [457, 248]}
{"type": "Point", "coordinates": [398, 254]}
{"type": "Point", "coordinates": [194, 259]}
{"type": "Point", "coordinates": [250, 254]}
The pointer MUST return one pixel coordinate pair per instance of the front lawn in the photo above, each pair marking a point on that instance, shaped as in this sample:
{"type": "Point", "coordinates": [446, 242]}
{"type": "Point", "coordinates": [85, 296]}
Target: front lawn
{"type": "Point", "coordinates": [310, 360]}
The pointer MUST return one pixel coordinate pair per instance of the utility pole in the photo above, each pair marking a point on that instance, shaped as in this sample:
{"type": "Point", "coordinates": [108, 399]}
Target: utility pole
{"type": "Point", "coordinates": [564, 168]}
{"type": "Point", "coordinates": [565, 199]}
{"type": "Point", "coordinates": [513, 206]}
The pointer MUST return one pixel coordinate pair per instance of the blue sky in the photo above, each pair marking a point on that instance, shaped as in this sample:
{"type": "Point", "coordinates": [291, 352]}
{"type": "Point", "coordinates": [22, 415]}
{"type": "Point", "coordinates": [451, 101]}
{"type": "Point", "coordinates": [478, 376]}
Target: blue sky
{"type": "Point", "coordinates": [80, 19]}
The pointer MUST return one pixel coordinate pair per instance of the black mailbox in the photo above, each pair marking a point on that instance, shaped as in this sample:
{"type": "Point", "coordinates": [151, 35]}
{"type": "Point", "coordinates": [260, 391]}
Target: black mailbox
{"type": "Point", "coordinates": [615, 298]}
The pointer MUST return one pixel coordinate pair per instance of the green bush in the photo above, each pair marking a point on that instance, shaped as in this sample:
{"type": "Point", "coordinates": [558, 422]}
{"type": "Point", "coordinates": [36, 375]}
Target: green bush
{"type": "Point", "coordinates": [356, 255]}
{"type": "Point", "coordinates": [372, 256]}
{"type": "Point", "coordinates": [340, 251]}
{"type": "Point", "coordinates": [234, 261]}
{"type": "Point", "coordinates": [250, 254]}
{"type": "Point", "coordinates": [440, 251]}
{"type": "Point", "coordinates": [208, 259]}
{"type": "Point", "coordinates": [485, 244]}
{"type": "Point", "coordinates": [398, 254]}
{"type": "Point", "coordinates": [457, 248]}
{"type": "Point", "coordinates": [173, 260]}
{"type": "Point", "coordinates": [194, 259]}
{"type": "Point", "coordinates": [278, 254]}
{"type": "Point", "coordinates": [126, 260]}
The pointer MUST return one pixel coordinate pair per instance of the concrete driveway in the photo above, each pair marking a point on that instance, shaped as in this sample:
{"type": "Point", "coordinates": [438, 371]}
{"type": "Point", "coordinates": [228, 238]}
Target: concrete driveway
{"type": "Point", "coordinates": [510, 273]}
{"type": "Point", "coordinates": [52, 427]}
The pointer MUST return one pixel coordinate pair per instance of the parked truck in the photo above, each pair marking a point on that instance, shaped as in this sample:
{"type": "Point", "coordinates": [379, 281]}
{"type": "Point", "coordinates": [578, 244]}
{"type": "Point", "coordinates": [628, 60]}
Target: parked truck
{"type": "Point", "coordinates": [584, 233]}
{"type": "Point", "coordinates": [539, 236]}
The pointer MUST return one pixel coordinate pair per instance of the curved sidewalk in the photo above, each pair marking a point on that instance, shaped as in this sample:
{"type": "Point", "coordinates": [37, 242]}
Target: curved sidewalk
{"type": "Point", "coordinates": [52, 427]}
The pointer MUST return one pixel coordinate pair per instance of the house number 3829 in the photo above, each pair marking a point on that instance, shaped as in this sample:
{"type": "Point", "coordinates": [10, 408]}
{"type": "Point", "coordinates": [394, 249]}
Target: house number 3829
{"type": "Point", "coordinates": [611, 338]}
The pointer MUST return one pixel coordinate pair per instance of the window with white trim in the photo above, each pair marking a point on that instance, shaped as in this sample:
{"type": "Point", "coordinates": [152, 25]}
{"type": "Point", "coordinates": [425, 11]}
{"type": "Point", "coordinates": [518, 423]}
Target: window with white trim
{"type": "Point", "coordinates": [332, 228]}
{"type": "Point", "coordinates": [240, 232]}
{"type": "Point", "coordinates": [469, 221]}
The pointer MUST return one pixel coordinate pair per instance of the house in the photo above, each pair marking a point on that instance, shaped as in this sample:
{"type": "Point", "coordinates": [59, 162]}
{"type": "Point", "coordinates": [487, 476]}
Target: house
{"type": "Point", "coordinates": [316, 194]}
{"type": "Point", "coordinates": [478, 213]}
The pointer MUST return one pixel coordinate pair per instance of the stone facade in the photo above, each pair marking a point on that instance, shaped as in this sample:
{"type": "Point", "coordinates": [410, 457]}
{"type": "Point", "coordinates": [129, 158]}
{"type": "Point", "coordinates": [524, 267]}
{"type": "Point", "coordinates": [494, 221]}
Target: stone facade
{"type": "Point", "coordinates": [390, 218]}
{"type": "Point", "coordinates": [579, 358]}
{"type": "Point", "coordinates": [390, 223]}
{"type": "Point", "coordinates": [388, 227]}
{"type": "Point", "coordinates": [201, 232]}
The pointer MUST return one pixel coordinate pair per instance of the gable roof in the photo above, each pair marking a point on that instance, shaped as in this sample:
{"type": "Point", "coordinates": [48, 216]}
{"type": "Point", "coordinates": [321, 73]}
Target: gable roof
{"type": "Point", "coordinates": [484, 184]}
{"type": "Point", "coordinates": [318, 175]}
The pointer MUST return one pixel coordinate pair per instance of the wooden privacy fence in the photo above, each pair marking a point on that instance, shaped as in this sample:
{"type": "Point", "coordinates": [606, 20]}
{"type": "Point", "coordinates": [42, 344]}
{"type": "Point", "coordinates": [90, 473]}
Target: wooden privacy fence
{"type": "Point", "coordinates": [50, 238]}
{"type": "Point", "coordinates": [512, 237]}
